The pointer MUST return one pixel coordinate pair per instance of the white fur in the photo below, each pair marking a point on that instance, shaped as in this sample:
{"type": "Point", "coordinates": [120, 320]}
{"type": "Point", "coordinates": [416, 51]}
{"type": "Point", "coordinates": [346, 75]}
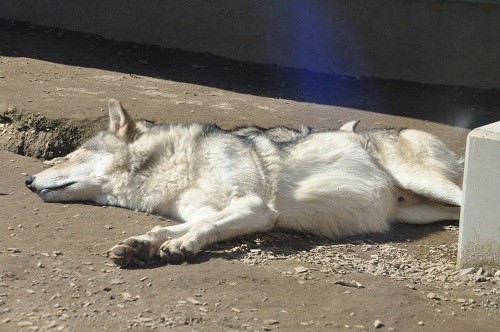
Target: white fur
{"type": "Point", "coordinates": [224, 184]}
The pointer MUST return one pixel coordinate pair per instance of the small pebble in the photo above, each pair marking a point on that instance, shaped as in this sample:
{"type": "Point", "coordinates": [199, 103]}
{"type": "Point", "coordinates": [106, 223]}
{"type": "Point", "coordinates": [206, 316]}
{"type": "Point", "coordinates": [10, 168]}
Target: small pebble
{"type": "Point", "coordinates": [271, 321]}
{"type": "Point", "coordinates": [116, 281]}
{"type": "Point", "coordinates": [301, 269]}
{"type": "Point", "coordinates": [193, 301]}
{"type": "Point", "coordinates": [433, 296]}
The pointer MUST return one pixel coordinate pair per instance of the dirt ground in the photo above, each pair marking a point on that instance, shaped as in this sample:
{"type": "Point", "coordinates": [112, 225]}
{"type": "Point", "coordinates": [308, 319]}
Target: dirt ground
{"type": "Point", "coordinates": [53, 271]}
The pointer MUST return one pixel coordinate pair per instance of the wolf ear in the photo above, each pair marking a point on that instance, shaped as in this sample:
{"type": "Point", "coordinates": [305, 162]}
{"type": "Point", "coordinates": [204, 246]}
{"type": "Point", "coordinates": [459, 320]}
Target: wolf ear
{"type": "Point", "coordinates": [350, 126]}
{"type": "Point", "coordinates": [120, 122]}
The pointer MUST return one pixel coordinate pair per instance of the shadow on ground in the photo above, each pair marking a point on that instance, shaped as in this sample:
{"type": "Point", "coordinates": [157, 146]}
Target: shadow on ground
{"type": "Point", "coordinates": [290, 244]}
{"type": "Point", "coordinates": [456, 106]}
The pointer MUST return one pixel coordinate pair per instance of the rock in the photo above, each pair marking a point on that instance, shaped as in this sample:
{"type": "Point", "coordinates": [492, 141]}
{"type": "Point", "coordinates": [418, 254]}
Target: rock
{"type": "Point", "coordinates": [271, 321]}
{"type": "Point", "coordinates": [193, 301]}
{"type": "Point", "coordinates": [352, 283]}
{"type": "Point", "coordinates": [307, 323]}
{"type": "Point", "coordinates": [301, 269]}
{"type": "Point", "coordinates": [24, 323]}
{"type": "Point", "coordinates": [480, 279]}
{"type": "Point", "coordinates": [466, 271]}
{"type": "Point", "coordinates": [378, 324]}
{"type": "Point", "coordinates": [116, 282]}
{"type": "Point", "coordinates": [128, 297]}
{"type": "Point", "coordinates": [464, 278]}
{"type": "Point", "coordinates": [433, 296]}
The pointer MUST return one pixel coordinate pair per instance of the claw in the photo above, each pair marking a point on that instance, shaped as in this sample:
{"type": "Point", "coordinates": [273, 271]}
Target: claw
{"type": "Point", "coordinates": [188, 254]}
{"type": "Point", "coordinates": [175, 257]}
{"type": "Point", "coordinates": [123, 254]}
{"type": "Point", "coordinates": [120, 255]}
{"type": "Point", "coordinates": [171, 257]}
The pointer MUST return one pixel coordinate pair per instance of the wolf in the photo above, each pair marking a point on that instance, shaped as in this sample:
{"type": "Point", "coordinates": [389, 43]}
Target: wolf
{"type": "Point", "coordinates": [225, 183]}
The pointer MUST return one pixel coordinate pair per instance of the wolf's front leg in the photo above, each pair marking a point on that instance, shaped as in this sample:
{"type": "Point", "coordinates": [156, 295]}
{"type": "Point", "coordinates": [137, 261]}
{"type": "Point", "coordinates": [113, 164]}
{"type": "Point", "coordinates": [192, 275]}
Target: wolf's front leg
{"type": "Point", "coordinates": [193, 206]}
{"type": "Point", "coordinates": [244, 215]}
{"type": "Point", "coordinates": [142, 248]}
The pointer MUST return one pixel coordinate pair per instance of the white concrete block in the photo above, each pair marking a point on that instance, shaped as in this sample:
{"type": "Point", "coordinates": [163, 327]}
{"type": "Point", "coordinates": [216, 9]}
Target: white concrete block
{"type": "Point", "coordinates": [479, 235]}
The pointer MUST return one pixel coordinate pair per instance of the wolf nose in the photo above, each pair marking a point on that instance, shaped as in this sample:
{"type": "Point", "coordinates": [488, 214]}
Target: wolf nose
{"type": "Point", "coordinates": [29, 181]}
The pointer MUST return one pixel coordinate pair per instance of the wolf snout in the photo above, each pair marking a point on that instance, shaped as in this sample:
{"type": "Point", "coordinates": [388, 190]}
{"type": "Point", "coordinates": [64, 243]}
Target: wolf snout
{"type": "Point", "coordinates": [29, 183]}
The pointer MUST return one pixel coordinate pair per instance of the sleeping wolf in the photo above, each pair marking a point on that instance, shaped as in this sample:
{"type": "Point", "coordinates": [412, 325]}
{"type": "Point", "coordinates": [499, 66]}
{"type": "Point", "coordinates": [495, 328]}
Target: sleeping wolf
{"type": "Point", "coordinates": [221, 184]}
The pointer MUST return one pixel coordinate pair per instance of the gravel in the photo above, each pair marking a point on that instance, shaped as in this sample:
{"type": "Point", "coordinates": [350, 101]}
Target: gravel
{"type": "Point", "coordinates": [437, 269]}
{"type": "Point", "coordinates": [469, 289]}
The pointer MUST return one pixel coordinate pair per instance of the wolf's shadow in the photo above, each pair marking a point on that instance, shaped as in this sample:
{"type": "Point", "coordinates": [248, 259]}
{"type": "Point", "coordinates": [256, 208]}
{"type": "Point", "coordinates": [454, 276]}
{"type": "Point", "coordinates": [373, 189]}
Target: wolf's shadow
{"type": "Point", "coordinates": [290, 244]}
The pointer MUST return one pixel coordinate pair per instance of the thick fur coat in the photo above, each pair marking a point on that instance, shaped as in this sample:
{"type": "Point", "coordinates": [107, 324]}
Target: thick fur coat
{"type": "Point", "coordinates": [220, 184]}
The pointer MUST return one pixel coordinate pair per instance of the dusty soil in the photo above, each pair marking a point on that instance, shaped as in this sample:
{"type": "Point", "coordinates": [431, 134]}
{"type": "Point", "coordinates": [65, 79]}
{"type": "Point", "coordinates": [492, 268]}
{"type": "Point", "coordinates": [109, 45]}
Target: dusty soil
{"type": "Point", "coordinates": [53, 271]}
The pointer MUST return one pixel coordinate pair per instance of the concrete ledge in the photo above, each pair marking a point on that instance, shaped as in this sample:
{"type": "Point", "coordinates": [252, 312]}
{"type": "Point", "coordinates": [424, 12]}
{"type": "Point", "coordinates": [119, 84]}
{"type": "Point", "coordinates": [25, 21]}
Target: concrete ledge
{"type": "Point", "coordinates": [429, 41]}
{"type": "Point", "coordinates": [479, 237]}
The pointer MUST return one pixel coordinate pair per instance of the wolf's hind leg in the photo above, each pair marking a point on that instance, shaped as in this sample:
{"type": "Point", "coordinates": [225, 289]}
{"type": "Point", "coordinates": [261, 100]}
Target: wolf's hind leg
{"type": "Point", "coordinates": [244, 215]}
{"type": "Point", "coordinates": [142, 248]}
{"type": "Point", "coordinates": [426, 213]}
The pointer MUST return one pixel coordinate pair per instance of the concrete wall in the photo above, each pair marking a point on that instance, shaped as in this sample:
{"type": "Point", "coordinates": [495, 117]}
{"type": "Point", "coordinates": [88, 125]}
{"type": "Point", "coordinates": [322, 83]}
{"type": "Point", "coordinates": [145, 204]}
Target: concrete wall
{"type": "Point", "coordinates": [431, 41]}
{"type": "Point", "coordinates": [479, 236]}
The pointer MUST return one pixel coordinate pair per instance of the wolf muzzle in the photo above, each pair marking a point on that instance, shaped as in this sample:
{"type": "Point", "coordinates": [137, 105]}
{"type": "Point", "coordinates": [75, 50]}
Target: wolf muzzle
{"type": "Point", "coordinates": [29, 183]}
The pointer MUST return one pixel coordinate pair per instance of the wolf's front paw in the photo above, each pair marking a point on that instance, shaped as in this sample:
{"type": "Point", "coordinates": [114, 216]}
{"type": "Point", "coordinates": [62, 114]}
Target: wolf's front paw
{"type": "Point", "coordinates": [176, 251]}
{"type": "Point", "coordinates": [134, 250]}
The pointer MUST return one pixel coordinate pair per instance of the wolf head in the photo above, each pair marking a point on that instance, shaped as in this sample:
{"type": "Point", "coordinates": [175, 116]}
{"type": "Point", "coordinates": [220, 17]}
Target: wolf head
{"type": "Point", "coordinates": [85, 174]}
